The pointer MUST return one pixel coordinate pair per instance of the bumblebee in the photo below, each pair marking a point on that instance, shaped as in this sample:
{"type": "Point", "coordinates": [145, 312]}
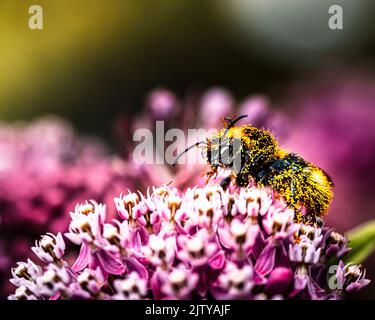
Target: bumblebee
{"type": "Point", "coordinates": [253, 155]}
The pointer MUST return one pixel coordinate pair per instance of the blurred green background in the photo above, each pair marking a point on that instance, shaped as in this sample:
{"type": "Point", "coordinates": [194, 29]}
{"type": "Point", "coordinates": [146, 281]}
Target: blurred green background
{"type": "Point", "coordinates": [94, 59]}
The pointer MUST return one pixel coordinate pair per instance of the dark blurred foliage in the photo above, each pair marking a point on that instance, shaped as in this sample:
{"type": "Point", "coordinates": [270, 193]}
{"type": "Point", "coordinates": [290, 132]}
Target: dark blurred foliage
{"type": "Point", "coordinates": [94, 59]}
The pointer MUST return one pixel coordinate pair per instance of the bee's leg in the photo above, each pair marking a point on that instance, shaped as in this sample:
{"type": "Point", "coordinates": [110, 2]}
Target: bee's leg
{"type": "Point", "coordinates": [318, 221]}
{"type": "Point", "coordinates": [211, 173]}
{"type": "Point", "coordinates": [225, 182]}
{"type": "Point", "coordinates": [312, 219]}
{"type": "Point", "coordinates": [299, 217]}
{"type": "Point", "coordinates": [293, 203]}
{"type": "Point", "coordinates": [305, 219]}
{"type": "Point", "coordinates": [242, 178]}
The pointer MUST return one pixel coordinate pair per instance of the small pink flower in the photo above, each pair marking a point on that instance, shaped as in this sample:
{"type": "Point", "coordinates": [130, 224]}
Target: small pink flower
{"type": "Point", "coordinates": [89, 283]}
{"type": "Point", "coordinates": [179, 282]}
{"type": "Point", "coordinates": [351, 277]}
{"type": "Point", "coordinates": [23, 293]}
{"type": "Point", "coordinates": [235, 282]}
{"type": "Point", "coordinates": [95, 249]}
{"type": "Point", "coordinates": [132, 287]}
{"type": "Point", "coordinates": [124, 205]}
{"type": "Point", "coordinates": [160, 251]}
{"type": "Point", "coordinates": [279, 223]}
{"type": "Point", "coordinates": [25, 273]}
{"type": "Point", "coordinates": [205, 213]}
{"type": "Point", "coordinates": [54, 280]}
{"type": "Point", "coordinates": [336, 244]}
{"type": "Point", "coordinates": [253, 202]}
{"type": "Point", "coordinates": [304, 252]}
{"type": "Point", "coordinates": [311, 233]}
{"type": "Point", "coordinates": [147, 214]}
{"type": "Point", "coordinates": [87, 222]}
{"type": "Point", "coordinates": [50, 247]}
{"type": "Point", "coordinates": [196, 250]}
{"type": "Point", "coordinates": [240, 237]}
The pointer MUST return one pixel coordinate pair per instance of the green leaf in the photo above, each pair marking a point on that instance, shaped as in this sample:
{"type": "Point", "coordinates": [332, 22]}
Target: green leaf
{"type": "Point", "coordinates": [362, 242]}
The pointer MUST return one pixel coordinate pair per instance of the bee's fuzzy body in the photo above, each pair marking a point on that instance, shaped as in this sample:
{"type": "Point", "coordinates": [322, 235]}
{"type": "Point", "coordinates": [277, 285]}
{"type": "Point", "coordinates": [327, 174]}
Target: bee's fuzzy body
{"type": "Point", "coordinates": [305, 187]}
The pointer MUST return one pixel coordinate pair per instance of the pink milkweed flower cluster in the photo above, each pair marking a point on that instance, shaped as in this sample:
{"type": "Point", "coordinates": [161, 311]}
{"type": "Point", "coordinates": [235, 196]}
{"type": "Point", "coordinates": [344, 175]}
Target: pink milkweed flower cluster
{"type": "Point", "coordinates": [204, 243]}
{"type": "Point", "coordinates": [45, 168]}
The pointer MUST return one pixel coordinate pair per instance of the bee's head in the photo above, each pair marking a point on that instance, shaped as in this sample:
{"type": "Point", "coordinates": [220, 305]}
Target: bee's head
{"type": "Point", "coordinates": [220, 148]}
{"type": "Point", "coordinates": [225, 145]}
{"type": "Point", "coordinates": [212, 152]}
{"type": "Point", "coordinates": [225, 153]}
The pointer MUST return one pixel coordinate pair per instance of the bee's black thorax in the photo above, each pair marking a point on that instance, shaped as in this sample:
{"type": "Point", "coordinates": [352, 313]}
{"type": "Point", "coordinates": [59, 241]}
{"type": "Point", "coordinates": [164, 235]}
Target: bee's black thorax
{"type": "Point", "coordinates": [267, 170]}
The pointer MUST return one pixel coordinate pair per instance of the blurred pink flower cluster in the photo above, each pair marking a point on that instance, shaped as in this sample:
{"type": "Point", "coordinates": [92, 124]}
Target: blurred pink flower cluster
{"type": "Point", "coordinates": [204, 243]}
{"type": "Point", "coordinates": [45, 169]}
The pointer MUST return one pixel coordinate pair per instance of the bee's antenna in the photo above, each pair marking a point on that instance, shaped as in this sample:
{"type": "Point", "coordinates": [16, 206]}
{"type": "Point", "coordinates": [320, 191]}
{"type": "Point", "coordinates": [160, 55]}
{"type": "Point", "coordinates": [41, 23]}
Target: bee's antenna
{"type": "Point", "coordinates": [187, 149]}
{"type": "Point", "coordinates": [232, 123]}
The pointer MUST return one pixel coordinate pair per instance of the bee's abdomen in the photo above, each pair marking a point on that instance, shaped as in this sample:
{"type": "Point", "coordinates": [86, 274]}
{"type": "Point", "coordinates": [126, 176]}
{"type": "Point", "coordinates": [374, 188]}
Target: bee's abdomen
{"type": "Point", "coordinates": [302, 184]}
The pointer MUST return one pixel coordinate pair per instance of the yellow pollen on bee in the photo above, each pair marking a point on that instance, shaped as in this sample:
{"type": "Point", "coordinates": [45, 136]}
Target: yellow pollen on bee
{"type": "Point", "coordinates": [318, 177]}
{"type": "Point", "coordinates": [235, 132]}
{"type": "Point", "coordinates": [281, 153]}
{"type": "Point", "coordinates": [304, 187]}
